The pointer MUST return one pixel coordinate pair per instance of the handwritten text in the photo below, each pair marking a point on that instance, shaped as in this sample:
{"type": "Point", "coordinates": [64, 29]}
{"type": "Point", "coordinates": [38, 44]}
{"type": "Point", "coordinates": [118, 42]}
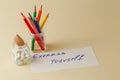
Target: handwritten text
{"type": "Point", "coordinates": [76, 58]}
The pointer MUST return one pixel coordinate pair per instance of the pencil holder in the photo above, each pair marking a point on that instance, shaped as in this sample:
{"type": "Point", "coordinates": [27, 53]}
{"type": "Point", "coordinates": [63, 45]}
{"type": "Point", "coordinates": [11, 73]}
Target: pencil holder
{"type": "Point", "coordinates": [38, 42]}
{"type": "Point", "coordinates": [21, 54]}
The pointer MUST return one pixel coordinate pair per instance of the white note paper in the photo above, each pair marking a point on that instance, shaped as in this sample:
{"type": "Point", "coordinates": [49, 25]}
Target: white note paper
{"type": "Point", "coordinates": [66, 59]}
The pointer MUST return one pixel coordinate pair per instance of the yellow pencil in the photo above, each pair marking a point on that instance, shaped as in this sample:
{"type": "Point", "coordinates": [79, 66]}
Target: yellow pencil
{"type": "Point", "coordinates": [44, 21]}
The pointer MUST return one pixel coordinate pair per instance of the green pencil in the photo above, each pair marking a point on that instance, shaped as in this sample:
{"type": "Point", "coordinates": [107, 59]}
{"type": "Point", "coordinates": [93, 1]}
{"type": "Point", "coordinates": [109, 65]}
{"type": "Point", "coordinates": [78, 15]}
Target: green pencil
{"type": "Point", "coordinates": [33, 41]}
{"type": "Point", "coordinates": [35, 12]}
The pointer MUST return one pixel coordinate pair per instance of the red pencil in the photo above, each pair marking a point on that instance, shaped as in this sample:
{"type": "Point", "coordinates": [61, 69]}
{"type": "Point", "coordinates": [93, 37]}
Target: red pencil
{"type": "Point", "coordinates": [27, 23]}
{"type": "Point", "coordinates": [39, 14]}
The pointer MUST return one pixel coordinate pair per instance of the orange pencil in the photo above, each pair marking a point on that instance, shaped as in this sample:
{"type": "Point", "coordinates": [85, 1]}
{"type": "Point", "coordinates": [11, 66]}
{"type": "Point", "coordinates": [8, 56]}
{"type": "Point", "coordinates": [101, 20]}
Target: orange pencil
{"type": "Point", "coordinates": [39, 14]}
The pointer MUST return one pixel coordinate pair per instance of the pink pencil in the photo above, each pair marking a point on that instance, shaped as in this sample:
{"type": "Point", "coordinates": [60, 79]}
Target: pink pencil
{"type": "Point", "coordinates": [33, 26]}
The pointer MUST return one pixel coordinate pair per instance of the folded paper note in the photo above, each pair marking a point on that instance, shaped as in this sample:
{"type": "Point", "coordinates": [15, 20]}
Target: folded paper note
{"type": "Point", "coordinates": [66, 59]}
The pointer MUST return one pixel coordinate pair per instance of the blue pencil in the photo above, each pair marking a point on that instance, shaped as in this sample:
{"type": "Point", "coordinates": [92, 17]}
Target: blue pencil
{"type": "Point", "coordinates": [37, 25]}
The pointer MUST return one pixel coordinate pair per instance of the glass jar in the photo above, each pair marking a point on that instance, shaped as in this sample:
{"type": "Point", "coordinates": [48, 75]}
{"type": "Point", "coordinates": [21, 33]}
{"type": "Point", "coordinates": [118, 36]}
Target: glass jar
{"type": "Point", "coordinates": [21, 54]}
{"type": "Point", "coordinates": [39, 39]}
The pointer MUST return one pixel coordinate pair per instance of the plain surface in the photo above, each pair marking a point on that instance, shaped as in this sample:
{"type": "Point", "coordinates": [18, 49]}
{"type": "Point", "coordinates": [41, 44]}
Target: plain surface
{"type": "Point", "coordinates": [72, 24]}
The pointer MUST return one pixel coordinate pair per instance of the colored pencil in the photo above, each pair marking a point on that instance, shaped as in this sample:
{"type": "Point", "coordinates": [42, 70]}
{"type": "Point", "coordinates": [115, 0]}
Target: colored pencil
{"type": "Point", "coordinates": [34, 13]}
{"type": "Point", "coordinates": [33, 26]}
{"type": "Point", "coordinates": [32, 41]}
{"type": "Point", "coordinates": [44, 21]}
{"type": "Point", "coordinates": [27, 23]}
{"type": "Point", "coordinates": [37, 25]}
{"type": "Point", "coordinates": [30, 16]}
{"type": "Point", "coordinates": [33, 19]}
{"type": "Point", "coordinates": [39, 13]}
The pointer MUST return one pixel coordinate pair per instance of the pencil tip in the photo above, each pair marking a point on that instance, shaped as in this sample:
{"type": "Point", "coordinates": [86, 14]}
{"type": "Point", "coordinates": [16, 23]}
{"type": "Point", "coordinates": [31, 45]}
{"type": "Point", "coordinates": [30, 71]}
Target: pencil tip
{"type": "Point", "coordinates": [47, 14]}
{"type": "Point", "coordinates": [35, 8]}
{"type": "Point", "coordinates": [29, 14]}
{"type": "Point", "coordinates": [41, 7]}
{"type": "Point", "coordinates": [22, 14]}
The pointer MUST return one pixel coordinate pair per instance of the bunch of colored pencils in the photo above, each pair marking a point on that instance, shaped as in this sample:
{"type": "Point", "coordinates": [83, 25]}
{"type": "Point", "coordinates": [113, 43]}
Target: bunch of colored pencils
{"type": "Point", "coordinates": [33, 25]}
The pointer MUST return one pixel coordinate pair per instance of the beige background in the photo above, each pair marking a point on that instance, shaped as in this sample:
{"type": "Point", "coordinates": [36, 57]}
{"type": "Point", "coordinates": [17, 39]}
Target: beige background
{"type": "Point", "coordinates": [72, 24]}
